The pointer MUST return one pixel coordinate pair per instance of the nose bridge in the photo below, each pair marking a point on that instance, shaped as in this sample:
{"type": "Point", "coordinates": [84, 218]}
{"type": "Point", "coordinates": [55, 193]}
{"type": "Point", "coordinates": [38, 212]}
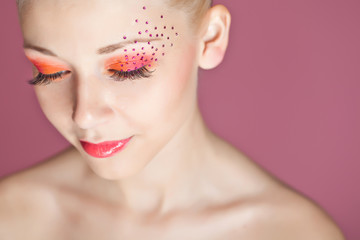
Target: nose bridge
{"type": "Point", "coordinates": [91, 106]}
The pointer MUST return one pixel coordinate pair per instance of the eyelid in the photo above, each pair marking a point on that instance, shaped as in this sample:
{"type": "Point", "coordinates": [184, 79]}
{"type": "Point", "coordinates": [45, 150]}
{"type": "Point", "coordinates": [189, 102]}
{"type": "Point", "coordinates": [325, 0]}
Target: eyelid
{"type": "Point", "coordinates": [50, 69]}
{"type": "Point", "coordinates": [130, 62]}
{"type": "Point", "coordinates": [47, 67]}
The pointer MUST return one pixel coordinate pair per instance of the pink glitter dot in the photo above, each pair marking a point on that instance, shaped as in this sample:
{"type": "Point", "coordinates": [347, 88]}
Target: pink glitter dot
{"type": "Point", "coordinates": [177, 34]}
{"type": "Point", "coordinates": [149, 43]}
{"type": "Point", "coordinates": [163, 54]}
{"type": "Point", "coordinates": [163, 45]}
{"type": "Point", "coordinates": [136, 20]}
{"type": "Point", "coordinates": [155, 28]}
{"type": "Point", "coordinates": [126, 56]}
{"type": "Point", "coordinates": [134, 63]}
{"type": "Point", "coordinates": [150, 35]}
{"type": "Point", "coordinates": [125, 50]}
{"type": "Point", "coordinates": [152, 59]}
{"type": "Point", "coordinates": [122, 65]}
{"type": "Point", "coordinates": [162, 35]}
{"type": "Point", "coordinates": [149, 65]}
{"type": "Point", "coordinates": [134, 49]}
{"type": "Point", "coordinates": [144, 7]}
{"type": "Point", "coordinates": [156, 49]}
{"type": "Point", "coordinates": [133, 57]}
{"type": "Point", "coordinates": [155, 59]}
{"type": "Point", "coordinates": [161, 16]}
{"type": "Point", "coordinates": [146, 31]}
{"type": "Point", "coordinates": [168, 38]}
{"type": "Point", "coordinates": [139, 32]}
{"type": "Point", "coordinates": [124, 37]}
{"type": "Point", "coordinates": [153, 54]}
{"type": "Point", "coordinates": [157, 35]}
{"type": "Point", "coordinates": [152, 47]}
{"type": "Point", "coordinates": [164, 27]}
{"type": "Point", "coordinates": [138, 54]}
{"type": "Point", "coordinates": [172, 28]}
{"type": "Point", "coordinates": [142, 48]}
{"type": "Point", "coordinates": [147, 22]}
{"type": "Point", "coordinates": [135, 41]}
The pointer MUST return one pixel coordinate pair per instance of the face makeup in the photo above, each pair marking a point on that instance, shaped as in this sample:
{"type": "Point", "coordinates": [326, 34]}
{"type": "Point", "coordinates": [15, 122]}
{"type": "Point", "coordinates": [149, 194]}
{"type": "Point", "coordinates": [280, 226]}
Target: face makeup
{"type": "Point", "coordinates": [130, 62]}
{"type": "Point", "coordinates": [118, 82]}
{"type": "Point", "coordinates": [104, 149]}
{"type": "Point", "coordinates": [46, 66]}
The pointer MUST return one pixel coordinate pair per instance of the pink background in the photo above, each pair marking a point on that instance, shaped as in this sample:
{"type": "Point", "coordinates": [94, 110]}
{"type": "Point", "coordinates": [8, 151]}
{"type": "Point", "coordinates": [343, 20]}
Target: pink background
{"type": "Point", "coordinates": [287, 95]}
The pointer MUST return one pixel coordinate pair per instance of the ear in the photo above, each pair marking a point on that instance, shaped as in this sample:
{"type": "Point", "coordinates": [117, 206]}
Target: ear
{"type": "Point", "coordinates": [214, 37]}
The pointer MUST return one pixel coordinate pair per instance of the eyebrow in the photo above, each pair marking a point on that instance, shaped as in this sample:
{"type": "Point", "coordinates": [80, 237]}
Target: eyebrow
{"type": "Point", "coordinates": [104, 50]}
{"type": "Point", "coordinates": [39, 49]}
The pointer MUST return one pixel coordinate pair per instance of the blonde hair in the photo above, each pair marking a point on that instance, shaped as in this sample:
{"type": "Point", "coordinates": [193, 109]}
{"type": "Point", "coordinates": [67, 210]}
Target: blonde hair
{"type": "Point", "coordinates": [195, 8]}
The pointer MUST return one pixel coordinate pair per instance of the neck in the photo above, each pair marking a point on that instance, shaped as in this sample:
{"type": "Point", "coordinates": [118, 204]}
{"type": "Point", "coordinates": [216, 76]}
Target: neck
{"type": "Point", "coordinates": [169, 180]}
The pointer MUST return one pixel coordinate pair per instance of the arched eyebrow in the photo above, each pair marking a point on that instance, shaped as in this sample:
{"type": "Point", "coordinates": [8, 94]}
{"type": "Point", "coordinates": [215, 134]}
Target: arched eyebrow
{"type": "Point", "coordinates": [104, 50]}
{"type": "Point", "coordinates": [113, 47]}
{"type": "Point", "coordinates": [39, 49]}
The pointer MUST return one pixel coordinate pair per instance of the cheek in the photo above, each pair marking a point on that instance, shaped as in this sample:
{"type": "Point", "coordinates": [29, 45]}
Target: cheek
{"type": "Point", "coordinates": [180, 87]}
{"type": "Point", "coordinates": [171, 95]}
{"type": "Point", "coordinates": [56, 105]}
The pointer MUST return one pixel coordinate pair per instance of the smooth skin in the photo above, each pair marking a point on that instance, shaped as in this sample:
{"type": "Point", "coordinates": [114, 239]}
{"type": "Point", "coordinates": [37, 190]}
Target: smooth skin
{"type": "Point", "coordinates": [176, 179]}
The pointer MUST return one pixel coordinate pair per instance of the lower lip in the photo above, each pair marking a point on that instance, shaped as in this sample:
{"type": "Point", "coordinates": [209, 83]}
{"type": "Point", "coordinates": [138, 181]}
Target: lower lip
{"type": "Point", "coordinates": [104, 149]}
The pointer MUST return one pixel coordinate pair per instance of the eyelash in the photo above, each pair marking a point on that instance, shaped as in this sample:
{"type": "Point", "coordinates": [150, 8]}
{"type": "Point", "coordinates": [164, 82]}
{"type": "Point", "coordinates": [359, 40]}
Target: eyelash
{"type": "Point", "coordinates": [44, 79]}
{"type": "Point", "coordinates": [143, 72]}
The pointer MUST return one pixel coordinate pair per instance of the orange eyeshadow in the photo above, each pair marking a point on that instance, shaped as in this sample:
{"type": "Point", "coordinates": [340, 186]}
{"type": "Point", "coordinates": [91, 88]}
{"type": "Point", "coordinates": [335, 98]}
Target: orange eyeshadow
{"type": "Point", "coordinates": [47, 67]}
{"type": "Point", "coordinates": [131, 62]}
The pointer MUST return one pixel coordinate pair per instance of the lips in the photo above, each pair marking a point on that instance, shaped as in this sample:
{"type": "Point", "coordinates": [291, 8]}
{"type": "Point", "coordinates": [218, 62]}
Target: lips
{"type": "Point", "coordinates": [104, 149]}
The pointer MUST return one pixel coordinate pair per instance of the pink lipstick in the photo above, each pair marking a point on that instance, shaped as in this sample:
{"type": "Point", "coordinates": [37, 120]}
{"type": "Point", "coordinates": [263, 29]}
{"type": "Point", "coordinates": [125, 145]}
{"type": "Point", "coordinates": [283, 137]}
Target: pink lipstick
{"type": "Point", "coordinates": [104, 149]}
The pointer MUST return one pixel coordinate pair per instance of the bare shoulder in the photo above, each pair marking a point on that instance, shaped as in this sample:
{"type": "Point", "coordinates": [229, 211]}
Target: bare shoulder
{"type": "Point", "coordinates": [28, 199]}
{"type": "Point", "coordinates": [285, 214]}
{"type": "Point", "coordinates": [269, 209]}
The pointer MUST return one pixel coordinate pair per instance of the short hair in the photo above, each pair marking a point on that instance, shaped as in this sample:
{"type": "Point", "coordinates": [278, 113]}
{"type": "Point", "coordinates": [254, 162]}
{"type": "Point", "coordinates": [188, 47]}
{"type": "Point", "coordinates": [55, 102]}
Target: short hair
{"type": "Point", "coordinates": [195, 8]}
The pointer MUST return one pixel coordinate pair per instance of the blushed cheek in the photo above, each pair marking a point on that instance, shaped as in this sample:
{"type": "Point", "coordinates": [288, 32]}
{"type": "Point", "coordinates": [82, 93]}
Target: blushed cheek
{"type": "Point", "coordinates": [183, 75]}
{"type": "Point", "coordinates": [173, 97]}
{"type": "Point", "coordinates": [56, 105]}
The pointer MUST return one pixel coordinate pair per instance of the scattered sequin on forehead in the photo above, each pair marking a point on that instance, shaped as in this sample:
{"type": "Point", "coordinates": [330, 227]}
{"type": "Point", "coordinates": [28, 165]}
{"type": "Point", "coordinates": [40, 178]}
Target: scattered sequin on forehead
{"type": "Point", "coordinates": [138, 55]}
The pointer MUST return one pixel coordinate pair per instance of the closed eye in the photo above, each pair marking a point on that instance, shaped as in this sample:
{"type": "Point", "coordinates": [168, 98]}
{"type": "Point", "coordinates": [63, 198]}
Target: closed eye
{"type": "Point", "coordinates": [122, 75]}
{"type": "Point", "coordinates": [45, 79]}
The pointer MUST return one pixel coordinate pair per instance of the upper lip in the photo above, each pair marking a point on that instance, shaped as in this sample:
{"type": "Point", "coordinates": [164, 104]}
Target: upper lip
{"type": "Point", "coordinates": [103, 141]}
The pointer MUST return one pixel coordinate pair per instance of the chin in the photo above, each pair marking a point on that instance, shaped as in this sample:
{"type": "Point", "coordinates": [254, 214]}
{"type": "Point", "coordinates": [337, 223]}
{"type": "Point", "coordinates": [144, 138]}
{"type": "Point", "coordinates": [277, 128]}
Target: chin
{"type": "Point", "coordinates": [114, 169]}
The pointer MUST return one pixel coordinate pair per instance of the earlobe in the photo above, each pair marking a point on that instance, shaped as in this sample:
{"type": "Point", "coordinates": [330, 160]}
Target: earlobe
{"type": "Point", "coordinates": [215, 37]}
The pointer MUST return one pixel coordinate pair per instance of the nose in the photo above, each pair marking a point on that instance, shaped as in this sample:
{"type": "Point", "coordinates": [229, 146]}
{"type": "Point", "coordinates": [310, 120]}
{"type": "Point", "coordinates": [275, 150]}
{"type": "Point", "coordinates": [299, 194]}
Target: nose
{"type": "Point", "coordinates": [92, 104]}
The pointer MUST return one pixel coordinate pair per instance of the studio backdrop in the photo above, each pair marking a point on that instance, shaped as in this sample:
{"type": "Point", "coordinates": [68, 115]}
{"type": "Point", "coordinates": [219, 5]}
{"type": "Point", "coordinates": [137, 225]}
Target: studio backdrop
{"type": "Point", "coordinates": [287, 95]}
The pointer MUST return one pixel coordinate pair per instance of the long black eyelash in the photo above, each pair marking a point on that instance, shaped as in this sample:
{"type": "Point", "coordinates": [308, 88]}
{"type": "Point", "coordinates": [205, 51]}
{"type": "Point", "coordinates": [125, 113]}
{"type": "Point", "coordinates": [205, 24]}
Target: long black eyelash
{"type": "Point", "coordinates": [45, 79]}
{"type": "Point", "coordinates": [142, 72]}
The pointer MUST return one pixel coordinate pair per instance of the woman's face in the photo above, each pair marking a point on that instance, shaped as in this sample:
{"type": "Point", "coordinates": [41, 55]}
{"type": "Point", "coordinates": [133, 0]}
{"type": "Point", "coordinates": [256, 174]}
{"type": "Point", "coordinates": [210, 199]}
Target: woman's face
{"type": "Point", "coordinates": [110, 71]}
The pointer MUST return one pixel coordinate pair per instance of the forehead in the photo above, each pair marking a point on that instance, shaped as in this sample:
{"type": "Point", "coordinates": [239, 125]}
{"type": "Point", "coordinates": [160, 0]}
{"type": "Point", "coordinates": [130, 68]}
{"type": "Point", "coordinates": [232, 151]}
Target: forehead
{"type": "Point", "coordinates": [79, 24]}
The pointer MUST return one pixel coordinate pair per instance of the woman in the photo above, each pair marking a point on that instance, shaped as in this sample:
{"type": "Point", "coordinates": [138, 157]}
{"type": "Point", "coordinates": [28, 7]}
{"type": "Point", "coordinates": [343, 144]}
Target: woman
{"type": "Point", "coordinates": [118, 80]}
